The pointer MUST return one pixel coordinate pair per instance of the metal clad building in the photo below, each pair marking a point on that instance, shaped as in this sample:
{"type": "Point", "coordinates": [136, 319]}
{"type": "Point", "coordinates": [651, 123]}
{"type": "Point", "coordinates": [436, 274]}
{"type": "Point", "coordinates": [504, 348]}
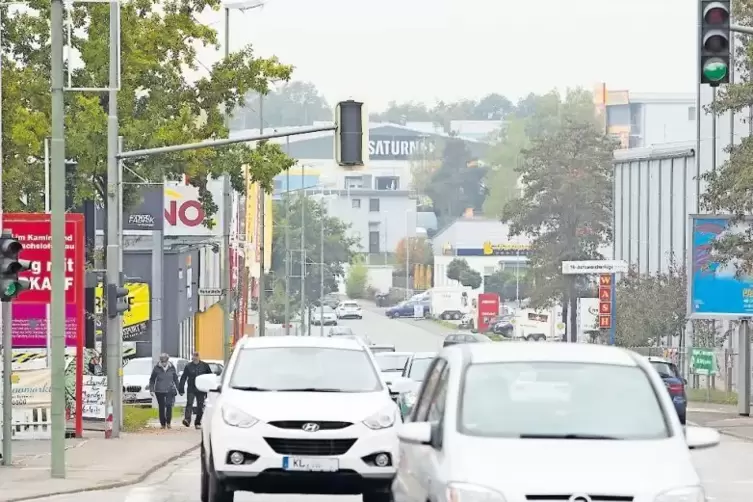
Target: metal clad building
{"type": "Point", "coordinates": [654, 191]}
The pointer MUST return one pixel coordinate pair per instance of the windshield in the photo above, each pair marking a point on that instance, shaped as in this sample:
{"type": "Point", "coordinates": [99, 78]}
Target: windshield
{"type": "Point", "coordinates": [545, 399]}
{"type": "Point", "coordinates": [305, 368]}
{"type": "Point", "coordinates": [325, 309]}
{"type": "Point", "coordinates": [138, 367]}
{"type": "Point", "coordinates": [665, 370]}
{"type": "Point", "coordinates": [391, 362]}
{"type": "Point", "coordinates": [418, 369]}
{"type": "Point", "coordinates": [349, 305]}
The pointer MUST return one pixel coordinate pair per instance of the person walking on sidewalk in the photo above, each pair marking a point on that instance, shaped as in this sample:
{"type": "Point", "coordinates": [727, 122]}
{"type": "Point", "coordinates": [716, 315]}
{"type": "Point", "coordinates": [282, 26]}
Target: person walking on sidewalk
{"type": "Point", "coordinates": [163, 384]}
{"type": "Point", "coordinates": [193, 369]}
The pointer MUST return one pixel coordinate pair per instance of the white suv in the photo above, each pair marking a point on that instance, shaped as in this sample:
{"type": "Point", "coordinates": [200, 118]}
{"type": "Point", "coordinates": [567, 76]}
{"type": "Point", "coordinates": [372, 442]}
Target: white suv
{"type": "Point", "coordinates": [349, 310]}
{"type": "Point", "coordinates": [303, 415]}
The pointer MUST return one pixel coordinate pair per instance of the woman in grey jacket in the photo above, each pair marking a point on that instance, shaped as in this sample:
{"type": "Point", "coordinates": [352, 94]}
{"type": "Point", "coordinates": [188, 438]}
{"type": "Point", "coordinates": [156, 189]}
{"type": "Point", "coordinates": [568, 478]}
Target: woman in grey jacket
{"type": "Point", "coordinates": [163, 384]}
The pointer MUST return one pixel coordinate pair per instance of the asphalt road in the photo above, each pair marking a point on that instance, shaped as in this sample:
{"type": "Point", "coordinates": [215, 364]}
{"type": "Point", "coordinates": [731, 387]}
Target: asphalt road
{"type": "Point", "coordinates": [725, 469]}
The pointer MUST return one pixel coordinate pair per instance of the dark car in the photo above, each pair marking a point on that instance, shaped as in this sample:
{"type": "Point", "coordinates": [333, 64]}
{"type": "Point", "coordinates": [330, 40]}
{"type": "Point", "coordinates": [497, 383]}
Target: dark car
{"type": "Point", "coordinates": [408, 309]}
{"type": "Point", "coordinates": [458, 338]}
{"type": "Point", "coordinates": [675, 384]}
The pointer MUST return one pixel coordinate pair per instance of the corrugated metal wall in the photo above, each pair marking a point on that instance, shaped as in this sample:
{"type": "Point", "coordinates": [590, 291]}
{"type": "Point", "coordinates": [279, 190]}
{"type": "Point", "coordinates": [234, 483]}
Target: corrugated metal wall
{"type": "Point", "coordinates": [654, 192]}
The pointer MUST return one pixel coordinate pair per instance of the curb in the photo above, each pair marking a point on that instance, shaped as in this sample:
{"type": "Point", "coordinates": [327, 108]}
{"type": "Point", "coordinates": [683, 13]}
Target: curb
{"type": "Point", "coordinates": [111, 486]}
{"type": "Point", "coordinates": [724, 432]}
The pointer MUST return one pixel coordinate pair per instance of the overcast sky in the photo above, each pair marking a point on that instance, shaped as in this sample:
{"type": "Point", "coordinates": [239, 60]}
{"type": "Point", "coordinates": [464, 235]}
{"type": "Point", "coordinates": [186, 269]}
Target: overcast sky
{"type": "Point", "coordinates": [425, 50]}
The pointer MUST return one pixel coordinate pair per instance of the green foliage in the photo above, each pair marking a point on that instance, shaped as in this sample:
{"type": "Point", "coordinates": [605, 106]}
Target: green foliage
{"type": "Point", "coordinates": [650, 307]}
{"type": "Point", "coordinates": [459, 270]}
{"type": "Point", "coordinates": [420, 252]}
{"type": "Point", "coordinates": [339, 248]}
{"type": "Point", "coordinates": [566, 204]}
{"type": "Point", "coordinates": [456, 186]}
{"type": "Point", "coordinates": [292, 104]}
{"type": "Point", "coordinates": [159, 40]}
{"type": "Point", "coordinates": [455, 268]}
{"type": "Point", "coordinates": [507, 285]}
{"type": "Point", "coordinates": [357, 280]}
{"type": "Point", "coordinates": [275, 306]}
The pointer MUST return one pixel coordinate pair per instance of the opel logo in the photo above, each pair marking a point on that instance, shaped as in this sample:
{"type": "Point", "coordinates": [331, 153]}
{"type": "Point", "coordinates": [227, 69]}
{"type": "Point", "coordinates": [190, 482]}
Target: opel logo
{"type": "Point", "coordinates": [579, 497]}
{"type": "Point", "coordinates": [312, 427]}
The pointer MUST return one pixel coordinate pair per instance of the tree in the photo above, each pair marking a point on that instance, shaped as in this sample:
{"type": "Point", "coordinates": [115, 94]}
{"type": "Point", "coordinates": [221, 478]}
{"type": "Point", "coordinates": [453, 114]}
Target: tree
{"type": "Point", "coordinates": [339, 248]}
{"type": "Point", "coordinates": [357, 280]}
{"type": "Point", "coordinates": [157, 105]}
{"type": "Point", "coordinates": [507, 285]}
{"type": "Point", "coordinates": [650, 307]}
{"type": "Point", "coordinates": [420, 252]}
{"type": "Point", "coordinates": [459, 270]}
{"type": "Point", "coordinates": [504, 157]}
{"type": "Point", "coordinates": [275, 306]}
{"type": "Point", "coordinates": [455, 268]}
{"type": "Point", "coordinates": [292, 104]}
{"type": "Point", "coordinates": [456, 185]}
{"type": "Point", "coordinates": [566, 204]}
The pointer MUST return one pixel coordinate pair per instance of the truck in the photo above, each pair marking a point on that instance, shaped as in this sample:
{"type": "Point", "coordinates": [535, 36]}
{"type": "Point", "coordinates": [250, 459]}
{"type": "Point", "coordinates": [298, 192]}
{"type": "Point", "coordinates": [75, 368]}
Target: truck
{"type": "Point", "coordinates": [538, 325]}
{"type": "Point", "coordinates": [450, 302]}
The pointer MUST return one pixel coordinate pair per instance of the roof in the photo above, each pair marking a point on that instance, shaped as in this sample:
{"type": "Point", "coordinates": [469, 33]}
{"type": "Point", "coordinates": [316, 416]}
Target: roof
{"type": "Point", "coordinates": [264, 342]}
{"type": "Point", "coordinates": [472, 232]}
{"type": "Point", "coordinates": [548, 352]}
{"type": "Point", "coordinates": [666, 151]}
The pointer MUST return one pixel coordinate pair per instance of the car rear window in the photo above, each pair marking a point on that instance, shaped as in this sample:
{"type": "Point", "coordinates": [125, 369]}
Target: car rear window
{"type": "Point", "coordinates": [665, 369]}
{"type": "Point", "coordinates": [352, 305]}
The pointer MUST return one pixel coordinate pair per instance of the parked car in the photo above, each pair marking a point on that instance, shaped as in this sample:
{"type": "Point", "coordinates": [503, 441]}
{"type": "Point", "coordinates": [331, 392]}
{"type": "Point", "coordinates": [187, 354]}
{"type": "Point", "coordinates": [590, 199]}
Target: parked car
{"type": "Point", "coordinates": [323, 316]}
{"type": "Point", "coordinates": [675, 384]}
{"type": "Point", "coordinates": [457, 338]}
{"type": "Point", "coordinates": [136, 373]}
{"type": "Point", "coordinates": [415, 371]}
{"type": "Point", "coordinates": [349, 310]}
{"type": "Point", "coordinates": [408, 309]}
{"type": "Point", "coordinates": [379, 348]}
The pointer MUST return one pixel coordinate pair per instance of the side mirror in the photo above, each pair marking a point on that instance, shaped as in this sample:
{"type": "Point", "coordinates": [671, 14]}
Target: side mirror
{"type": "Point", "coordinates": [699, 438]}
{"type": "Point", "coordinates": [685, 381]}
{"type": "Point", "coordinates": [208, 383]}
{"type": "Point", "coordinates": [401, 385]}
{"type": "Point", "coordinates": [415, 433]}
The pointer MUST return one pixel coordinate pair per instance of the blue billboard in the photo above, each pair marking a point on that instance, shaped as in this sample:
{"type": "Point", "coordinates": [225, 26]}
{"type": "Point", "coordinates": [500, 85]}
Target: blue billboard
{"type": "Point", "coordinates": [715, 290]}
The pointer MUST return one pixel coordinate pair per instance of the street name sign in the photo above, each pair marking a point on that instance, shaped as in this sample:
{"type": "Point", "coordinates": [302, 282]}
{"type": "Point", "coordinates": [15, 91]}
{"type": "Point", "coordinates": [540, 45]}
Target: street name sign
{"type": "Point", "coordinates": [586, 267]}
{"type": "Point", "coordinates": [210, 291]}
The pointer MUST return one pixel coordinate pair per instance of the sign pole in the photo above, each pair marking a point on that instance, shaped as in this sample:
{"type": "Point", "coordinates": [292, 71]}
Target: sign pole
{"type": "Point", "coordinates": [7, 385]}
{"type": "Point", "coordinates": [743, 366]}
{"type": "Point", "coordinates": [613, 314]}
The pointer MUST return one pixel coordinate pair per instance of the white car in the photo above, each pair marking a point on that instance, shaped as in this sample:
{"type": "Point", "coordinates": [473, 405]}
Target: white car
{"type": "Point", "coordinates": [517, 421]}
{"type": "Point", "coordinates": [349, 310]}
{"type": "Point", "coordinates": [136, 373]}
{"type": "Point", "coordinates": [302, 415]}
{"type": "Point", "coordinates": [323, 315]}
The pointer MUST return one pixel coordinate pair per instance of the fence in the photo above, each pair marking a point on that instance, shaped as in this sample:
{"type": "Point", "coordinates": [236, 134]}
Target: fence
{"type": "Point", "coordinates": [719, 387]}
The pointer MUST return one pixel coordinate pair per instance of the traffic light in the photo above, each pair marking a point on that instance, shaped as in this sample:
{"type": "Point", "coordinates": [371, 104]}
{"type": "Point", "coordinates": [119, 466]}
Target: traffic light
{"type": "Point", "coordinates": [10, 266]}
{"type": "Point", "coordinates": [117, 301]}
{"type": "Point", "coordinates": [715, 42]}
{"type": "Point", "coordinates": [351, 136]}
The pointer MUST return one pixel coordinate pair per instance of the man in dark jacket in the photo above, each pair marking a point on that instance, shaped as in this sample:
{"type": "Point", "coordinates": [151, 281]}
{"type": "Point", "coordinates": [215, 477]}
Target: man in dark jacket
{"type": "Point", "coordinates": [193, 369]}
{"type": "Point", "coordinates": [163, 385]}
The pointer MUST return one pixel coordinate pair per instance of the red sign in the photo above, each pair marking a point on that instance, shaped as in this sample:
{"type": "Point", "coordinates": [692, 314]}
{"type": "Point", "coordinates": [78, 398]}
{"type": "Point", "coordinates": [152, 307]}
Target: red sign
{"type": "Point", "coordinates": [488, 308]}
{"type": "Point", "coordinates": [605, 321]}
{"type": "Point", "coordinates": [605, 295]}
{"type": "Point", "coordinates": [188, 212]}
{"type": "Point", "coordinates": [33, 231]}
{"type": "Point", "coordinates": [605, 308]}
{"type": "Point", "coordinates": [605, 280]}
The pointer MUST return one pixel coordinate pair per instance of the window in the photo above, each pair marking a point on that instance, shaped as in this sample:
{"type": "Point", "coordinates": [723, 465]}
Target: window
{"type": "Point", "coordinates": [387, 182]}
{"type": "Point", "coordinates": [355, 203]}
{"type": "Point", "coordinates": [538, 317]}
{"type": "Point", "coordinates": [374, 205]}
{"type": "Point", "coordinates": [691, 113]}
{"type": "Point", "coordinates": [665, 369]}
{"type": "Point", "coordinates": [288, 368]}
{"type": "Point", "coordinates": [437, 405]}
{"type": "Point", "coordinates": [555, 399]}
{"type": "Point", "coordinates": [374, 241]}
{"type": "Point", "coordinates": [418, 369]}
{"type": "Point", "coordinates": [421, 408]}
{"type": "Point", "coordinates": [353, 182]}
{"type": "Point", "coordinates": [391, 362]}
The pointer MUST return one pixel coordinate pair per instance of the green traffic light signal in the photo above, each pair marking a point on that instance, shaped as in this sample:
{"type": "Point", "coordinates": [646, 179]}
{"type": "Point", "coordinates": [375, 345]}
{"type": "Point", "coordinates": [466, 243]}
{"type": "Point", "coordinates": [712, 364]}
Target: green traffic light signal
{"type": "Point", "coordinates": [715, 70]}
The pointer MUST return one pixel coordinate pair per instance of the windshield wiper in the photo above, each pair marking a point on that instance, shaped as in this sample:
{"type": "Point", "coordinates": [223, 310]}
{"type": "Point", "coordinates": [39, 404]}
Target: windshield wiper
{"type": "Point", "coordinates": [568, 436]}
{"type": "Point", "coordinates": [310, 389]}
{"type": "Point", "coordinates": [251, 388]}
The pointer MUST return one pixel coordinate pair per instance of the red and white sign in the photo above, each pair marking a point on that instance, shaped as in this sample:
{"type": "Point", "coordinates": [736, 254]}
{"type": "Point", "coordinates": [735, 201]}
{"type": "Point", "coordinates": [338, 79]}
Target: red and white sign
{"type": "Point", "coordinates": [184, 213]}
{"type": "Point", "coordinates": [605, 301]}
{"type": "Point", "coordinates": [33, 230]}
{"type": "Point", "coordinates": [488, 309]}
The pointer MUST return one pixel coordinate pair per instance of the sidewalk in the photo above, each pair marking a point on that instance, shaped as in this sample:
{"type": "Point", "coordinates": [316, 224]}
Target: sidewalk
{"type": "Point", "coordinates": [92, 462]}
{"type": "Point", "coordinates": [722, 417]}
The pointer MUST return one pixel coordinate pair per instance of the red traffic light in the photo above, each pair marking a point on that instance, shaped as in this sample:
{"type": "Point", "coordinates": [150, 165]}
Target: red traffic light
{"type": "Point", "coordinates": [716, 13]}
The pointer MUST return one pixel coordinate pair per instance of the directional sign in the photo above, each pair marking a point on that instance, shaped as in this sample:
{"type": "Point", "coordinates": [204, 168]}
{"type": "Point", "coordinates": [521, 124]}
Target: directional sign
{"type": "Point", "coordinates": [587, 267]}
{"type": "Point", "coordinates": [210, 291]}
{"type": "Point", "coordinates": [703, 362]}
{"type": "Point", "coordinates": [605, 321]}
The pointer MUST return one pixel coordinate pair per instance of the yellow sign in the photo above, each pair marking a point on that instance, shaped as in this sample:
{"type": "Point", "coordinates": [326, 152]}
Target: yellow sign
{"type": "Point", "coordinates": [253, 196]}
{"type": "Point", "coordinates": [490, 249]}
{"type": "Point", "coordinates": [136, 320]}
{"type": "Point", "coordinates": [31, 389]}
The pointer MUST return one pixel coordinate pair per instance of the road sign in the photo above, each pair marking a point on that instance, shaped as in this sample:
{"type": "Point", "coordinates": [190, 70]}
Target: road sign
{"type": "Point", "coordinates": [703, 362]}
{"type": "Point", "coordinates": [605, 321]}
{"type": "Point", "coordinates": [210, 291]}
{"type": "Point", "coordinates": [586, 267]}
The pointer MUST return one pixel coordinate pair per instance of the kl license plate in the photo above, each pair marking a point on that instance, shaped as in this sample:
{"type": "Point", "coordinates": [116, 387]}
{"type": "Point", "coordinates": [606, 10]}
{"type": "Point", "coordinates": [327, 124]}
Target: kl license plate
{"type": "Point", "coordinates": [310, 464]}
{"type": "Point", "coordinates": [129, 396]}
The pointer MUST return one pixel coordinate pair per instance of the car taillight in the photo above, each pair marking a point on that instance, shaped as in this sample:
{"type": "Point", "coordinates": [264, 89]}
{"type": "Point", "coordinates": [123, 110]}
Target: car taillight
{"type": "Point", "coordinates": [676, 388]}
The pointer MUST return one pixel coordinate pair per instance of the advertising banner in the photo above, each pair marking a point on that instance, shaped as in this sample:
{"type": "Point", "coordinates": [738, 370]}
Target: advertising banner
{"type": "Point", "coordinates": [184, 212]}
{"type": "Point", "coordinates": [147, 213]}
{"type": "Point", "coordinates": [137, 320]}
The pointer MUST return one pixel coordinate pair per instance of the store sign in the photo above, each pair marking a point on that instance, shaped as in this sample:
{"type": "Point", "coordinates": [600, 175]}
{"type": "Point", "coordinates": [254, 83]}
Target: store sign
{"type": "Point", "coordinates": [146, 214]}
{"type": "Point", "coordinates": [398, 147]}
{"type": "Point", "coordinates": [184, 213]}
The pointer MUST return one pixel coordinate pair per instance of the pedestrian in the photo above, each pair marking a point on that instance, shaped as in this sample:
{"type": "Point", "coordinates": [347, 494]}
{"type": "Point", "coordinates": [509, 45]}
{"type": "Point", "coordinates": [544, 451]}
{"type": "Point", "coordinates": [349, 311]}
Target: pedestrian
{"type": "Point", "coordinates": [193, 369]}
{"type": "Point", "coordinates": [163, 384]}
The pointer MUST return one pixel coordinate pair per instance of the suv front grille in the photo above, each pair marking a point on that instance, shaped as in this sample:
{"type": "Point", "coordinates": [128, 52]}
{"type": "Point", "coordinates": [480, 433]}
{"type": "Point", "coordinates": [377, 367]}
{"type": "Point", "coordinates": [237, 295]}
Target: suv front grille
{"type": "Point", "coordinates": [298, 424]}
{"type": "Point", "coordinates": [132, 388]}
{"type": "Point", "coordinates": [323, 447]}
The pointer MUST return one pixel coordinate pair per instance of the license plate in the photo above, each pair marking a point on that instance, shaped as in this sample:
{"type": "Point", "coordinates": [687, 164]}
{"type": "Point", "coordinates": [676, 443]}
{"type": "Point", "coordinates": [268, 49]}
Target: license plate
{"type": "Point", "coordinates": [129, 396]}
{"type": "Point", "coordinates": [310, 464]}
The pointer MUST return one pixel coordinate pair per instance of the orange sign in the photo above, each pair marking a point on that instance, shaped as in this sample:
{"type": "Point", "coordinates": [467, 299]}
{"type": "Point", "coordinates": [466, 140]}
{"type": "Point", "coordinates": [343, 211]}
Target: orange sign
{"type": "Point", "coordinates": [605, 321]}
{"type": "Point", "coordinates": [605, 308]}
{"type": "Point", "coordinates": [605, 280]}
{"type": "Point", "coordinates": [605, 295]}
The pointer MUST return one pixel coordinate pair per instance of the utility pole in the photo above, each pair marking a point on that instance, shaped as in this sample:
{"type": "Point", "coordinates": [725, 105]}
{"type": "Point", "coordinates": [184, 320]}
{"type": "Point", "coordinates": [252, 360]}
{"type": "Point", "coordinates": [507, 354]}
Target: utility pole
{"type": "Point", "coordinates": [57, 223]}
{"type": "Point", "coordinates": [114, 323]}
{"type": "Point", "coordinates": [262, 232]}
{"type": "Point", "coordinates": [303, 252]}
{"type": "Point", "coordinates": [321, 267]}
{"type": "Point", "coordinates": [226, 280]}
{"type": "Point", "coordinates": [288, 251]}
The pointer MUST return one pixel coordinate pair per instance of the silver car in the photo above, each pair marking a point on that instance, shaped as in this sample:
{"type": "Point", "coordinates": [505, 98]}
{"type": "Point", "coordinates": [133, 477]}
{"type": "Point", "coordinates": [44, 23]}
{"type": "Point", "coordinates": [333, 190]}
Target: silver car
{"type": "Point", "coordinates": [323, 315]}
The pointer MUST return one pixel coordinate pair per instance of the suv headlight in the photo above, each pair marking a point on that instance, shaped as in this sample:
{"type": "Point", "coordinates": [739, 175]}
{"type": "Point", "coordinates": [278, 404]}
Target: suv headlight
{"type": "Point", "coordinates": [237, 418]}
{"type": "Point", "coordinates": [465, 492]}
{"type": "Point", "coordinates": [382, 420]}
{"type": "Point", "coordinates": [684, 494]}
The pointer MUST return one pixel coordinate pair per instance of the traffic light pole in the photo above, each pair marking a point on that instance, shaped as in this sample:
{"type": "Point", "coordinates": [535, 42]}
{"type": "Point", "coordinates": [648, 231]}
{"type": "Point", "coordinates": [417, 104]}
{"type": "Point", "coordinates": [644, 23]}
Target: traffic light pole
{"type": "Point", "coordinates": [7, 385]}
